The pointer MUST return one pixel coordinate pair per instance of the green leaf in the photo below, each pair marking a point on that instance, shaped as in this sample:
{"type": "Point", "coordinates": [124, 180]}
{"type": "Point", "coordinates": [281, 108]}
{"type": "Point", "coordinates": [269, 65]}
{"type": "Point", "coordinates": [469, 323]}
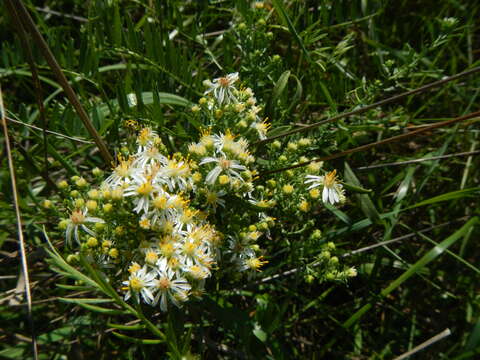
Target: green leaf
{"type": "Point", "coordinates": [259, 333]}
{"type": "Point", "coordinates": [137, 340]}
{"type": "Point", "coordinates": [84, 300]}
{"type": "Point", "coordinates": [101, 310]}
{"type": "Point", "coordinates": [366, 203]}
{"type": "Point", "coordinates": [458, 194]}
{"type": "Point", "coordinates": [127, 327]}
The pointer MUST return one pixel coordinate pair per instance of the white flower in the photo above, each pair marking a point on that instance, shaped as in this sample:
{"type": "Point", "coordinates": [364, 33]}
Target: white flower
{"type": "Point", "coordinates": [169, 286]}
{"type": "Point", "coordinates": [143, 192]}
{"type": "Point", "coordinates": [222, 89]}
{"type": "Point", "coordinates": [332, 191]}
{"type": "Point", "coordinates": [124, 172]}
{"type": "Point", "coordinates": [78, 218]}
{"type": "Point", "coordinates": [141, 282]}
{"type": "Point", "coordinates": [223, 165]}
{"type": "Point", "coordinates": [151, 155]}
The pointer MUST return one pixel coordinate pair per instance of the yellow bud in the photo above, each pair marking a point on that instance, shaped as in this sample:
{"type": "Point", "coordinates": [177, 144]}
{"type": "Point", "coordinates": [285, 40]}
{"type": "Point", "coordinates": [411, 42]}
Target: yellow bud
{"type": "Point", "coordinates": [197, 177]}
{"type": "Point", "coordinates": [252, 228]}
{"type": "Point", "coordinates": [202, 101]}
{"type": "Point", "coordinates": [117, 194]}
{"type": "Point", "coordinates": [113, 253]}
{"type": "Point", "coordinates": [91, 205]}
{"type": "Point", "coordinates": [287, 189]}
{"type": "Point", "coordinates": [106, 194]}
{"type": "Point", "coordinates": [99, 226]}
{"type": "Point", "coordinates": [74, 193]}
{"type": "Point", "coordinates": [62, 225]}
{"type": "Point", "coordinates": [292, 146]}
{"type": "Point", "coordinates": [304, 206]}
{"type": "Point", "coordinates": [223, 179]}
{"type": "Point", "coordinates": [47, 204]}
{"type": "Point", "coordinates": [106, 243]}
{"type": "Point", "coordinates": [92, 242]}
{"type": "Point", "coordinates": [81, 182]}
{"type": "Point", "coordinates": [119, 230]}
{"type": "Point", "coordinates": [62, 184]}
{"type": "Point", "coordinates": [195, 108]}
{"type": "Point", "coordinates": [314, 193]}
{"type": "Point", "coordinates": [107, 207]}
{"type": "Point", "coordinates": [79, 202]}
{"type": "Point", "coordinates": [93, 194]}
{"type": "Point", "coordinates": [97, 172]}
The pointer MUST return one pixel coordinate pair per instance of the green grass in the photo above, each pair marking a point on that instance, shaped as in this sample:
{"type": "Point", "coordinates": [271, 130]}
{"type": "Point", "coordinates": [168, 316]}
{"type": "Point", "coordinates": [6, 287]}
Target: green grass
{"type": "Point", "coordinates": [307, 61]}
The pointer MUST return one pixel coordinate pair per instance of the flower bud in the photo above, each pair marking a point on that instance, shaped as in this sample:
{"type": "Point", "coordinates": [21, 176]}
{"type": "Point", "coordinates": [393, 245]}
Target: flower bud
{"type": "Point", "coordinates": [92, 205]}
{"type": "Point", "coordinates": [97, 172]}
{"type": "Point", "coordinates": [62, 184]}
{"type": "Point", "coordinates": [79, 203]}
{"type": "Point", "coordinates": [92, 242]}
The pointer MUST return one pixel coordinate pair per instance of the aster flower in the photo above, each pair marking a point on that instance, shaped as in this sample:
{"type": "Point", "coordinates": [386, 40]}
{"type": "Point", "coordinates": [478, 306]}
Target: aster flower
{"type": "Point", "coordinates": [224, 165]}
{"type": "Point", "coordinates": [78, 219]}
{"type": "Point", "coordinates": [169, 286]}
{"type": "Point", "coordinates": [223, 89]}
{"type": "Point", "coordinates": [332, 190]}
{"type": "Point", "coordinates": [140, 283]}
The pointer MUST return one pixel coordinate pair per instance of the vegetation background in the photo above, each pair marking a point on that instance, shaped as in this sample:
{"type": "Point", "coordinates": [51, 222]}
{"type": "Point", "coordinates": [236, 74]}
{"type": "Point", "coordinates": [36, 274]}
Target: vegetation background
{"type": "Point", "coordinates": [307, 61]}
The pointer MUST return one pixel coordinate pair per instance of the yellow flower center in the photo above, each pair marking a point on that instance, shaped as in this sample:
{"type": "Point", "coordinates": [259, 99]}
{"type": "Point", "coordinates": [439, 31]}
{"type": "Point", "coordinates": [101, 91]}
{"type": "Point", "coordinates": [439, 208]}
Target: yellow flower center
{"type": "Point", "coordinates": [133, 268]}
{"type": "Point", "coordinates": [256, 263]}
{"type": "Point", "coordinates": [225, 163]}
{"type": "Point", "coordinates": [163, 284]}
{"type": "Point", "coordinates": [189, 248]}
{"type": "Point", "coordinates": [136, 284]}
{"type": "Point", "coordinates": [151, 257]}
{"type": "Point", "coordinates": [167, 250]}
{"type": "Point", "coordinates": [224, 82]}
{"type": "Point", "coordinates": [145, 189]}
{"type": "Point", "coordinates": [77, 217]}
{"type": "Point", "coordinates": [330, 179]}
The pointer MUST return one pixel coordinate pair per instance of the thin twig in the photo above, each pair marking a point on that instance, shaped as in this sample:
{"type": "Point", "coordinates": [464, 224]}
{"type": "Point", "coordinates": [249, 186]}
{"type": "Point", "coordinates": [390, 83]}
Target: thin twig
{"type": "Point", "coordinates": [27, 21]}
{"type": "Point", "coordinates": [381, 142]}
{"type": "Point", "coordinates": [372, 106]}
{"type": "Point", "coordinates": [50, 132]}
{"type": "Point", "coordinates": [21, 241]}
{"type": "Point", "coordinates": [36, 83]}
{"type": "Point", "coordinates": [49, 11]}
{"type": "Point", "coordinates": [425, 344]}
{"type": "Point", "coordinates": [467, 153]}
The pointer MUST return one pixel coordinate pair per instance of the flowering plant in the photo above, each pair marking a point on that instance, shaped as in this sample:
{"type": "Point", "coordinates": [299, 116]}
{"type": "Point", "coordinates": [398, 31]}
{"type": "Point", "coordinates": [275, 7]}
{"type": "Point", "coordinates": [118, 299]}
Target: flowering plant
{"type": "Point", "coordinates": [161, 223]}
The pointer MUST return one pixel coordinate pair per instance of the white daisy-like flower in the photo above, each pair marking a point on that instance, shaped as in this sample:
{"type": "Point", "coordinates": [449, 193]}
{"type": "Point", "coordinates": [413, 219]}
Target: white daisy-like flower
{"type": "Point", "coordinates": [78, 219]}
{"type": "Point", "coordinates": [151, 155]}
{"type": "Point", "coordinates": [143, 192]}
{"type": "Point", "coordinates": [123, 173]}
{"type": "Point", "coordinates": [169, 286]}
{"type": "Point", "coordinates": [141, 282]}
{"type": "Point", "coordinates": [223, 89]}
{"type": "Point", "coordinates": [175, 174]}
{"type": "Point", "coordinates": [224, 165]}
{"type": "Point", "coordinates": [332, 190]}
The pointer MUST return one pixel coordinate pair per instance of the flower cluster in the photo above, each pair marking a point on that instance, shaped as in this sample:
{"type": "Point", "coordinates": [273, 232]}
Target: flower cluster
{"type": "Point", "coordinates": [166, 221]}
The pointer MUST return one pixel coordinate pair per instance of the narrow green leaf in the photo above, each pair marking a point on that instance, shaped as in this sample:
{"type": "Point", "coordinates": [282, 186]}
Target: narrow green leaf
{"type": "Point", "coordinates": [366, 203]}
{"type": "Point", "coordinates": [137, 340]}
{"type": "Point", "coordinates": [126, 327]}
{"type": "Point", "coordinates": [84, 300]}
{"type": "Point", "coordinates": [458, 194]}
{"type": "Point", "coordinates": [101, 310]}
